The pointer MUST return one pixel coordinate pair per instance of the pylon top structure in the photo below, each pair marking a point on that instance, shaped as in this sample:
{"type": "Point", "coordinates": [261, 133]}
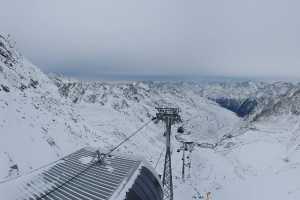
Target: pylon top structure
{"type": "Point", "coordinates": [168, 113]}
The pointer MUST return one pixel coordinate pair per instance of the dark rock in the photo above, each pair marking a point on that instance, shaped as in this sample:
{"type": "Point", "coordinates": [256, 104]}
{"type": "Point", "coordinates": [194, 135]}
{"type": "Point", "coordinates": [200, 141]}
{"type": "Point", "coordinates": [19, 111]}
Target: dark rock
{"type": "Point", "coordinates": [23, 87]}
{"type": "Point", "coordinates": [51, 142]}
{"type": "Point", "coordinates": [230, 104]}
{"type": "Point", "coordinates": [15, 167]}
{"type": "Point", "coordinates": [247, 107]}
{"type": "Point", "coordinates": [180, 129]}
{"type": "Point", "coordinates": [227, 136]}
{"type": "Point", "coordinates": [241, 108]}
{"type": "Point", "coordinates": [5, 88]}
{"type": "Point", "coordinates": [75, 100]}
{"type": "Point", "coordinates": [33, 83]}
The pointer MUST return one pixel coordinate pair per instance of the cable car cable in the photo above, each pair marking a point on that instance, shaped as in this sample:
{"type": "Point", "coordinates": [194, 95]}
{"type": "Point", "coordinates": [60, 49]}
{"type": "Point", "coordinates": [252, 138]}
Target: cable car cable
{"type": "Point", "coordinates": [93, 163]}
{"type": "Point", "coordinates": [133, 134]}
{"type": "Point", "coordinates": [159, 158]}
{"type": "Point", "coordinates": [116, 147]}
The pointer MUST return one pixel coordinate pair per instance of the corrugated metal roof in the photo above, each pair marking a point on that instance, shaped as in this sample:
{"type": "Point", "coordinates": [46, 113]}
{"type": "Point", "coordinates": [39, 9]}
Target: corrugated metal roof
{"type": "Point", "coordinates": [79, 177]}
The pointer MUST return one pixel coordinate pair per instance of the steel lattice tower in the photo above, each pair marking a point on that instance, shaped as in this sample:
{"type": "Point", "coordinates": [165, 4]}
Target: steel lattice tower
{"type": "Point", "coordinates": [169, 116]}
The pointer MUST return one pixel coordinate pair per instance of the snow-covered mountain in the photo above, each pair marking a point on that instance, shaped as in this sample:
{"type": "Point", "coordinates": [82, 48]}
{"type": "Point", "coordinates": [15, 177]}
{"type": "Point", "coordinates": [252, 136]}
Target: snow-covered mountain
{"type": "Point", "coordinates": [252, 99]}
{"type": "Point", "coordinates": [139, 99]}
{"type": "Point", "coordinates": [232, 154]}
{"type": "Point", "coordinates": [42, 120]}
{"type": "Point", "coordinates": [36, 125]}
{"type": "Point", "coordinates": [250, 154]}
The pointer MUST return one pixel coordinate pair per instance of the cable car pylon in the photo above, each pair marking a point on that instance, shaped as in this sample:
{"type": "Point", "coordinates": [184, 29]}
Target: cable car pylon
{"type": "Point", "coordinates": [169, 116]}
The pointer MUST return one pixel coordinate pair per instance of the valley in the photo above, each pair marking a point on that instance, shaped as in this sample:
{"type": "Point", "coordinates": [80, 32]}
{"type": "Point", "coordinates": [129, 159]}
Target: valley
{"type": "Point", "coordinates": [245, 134]}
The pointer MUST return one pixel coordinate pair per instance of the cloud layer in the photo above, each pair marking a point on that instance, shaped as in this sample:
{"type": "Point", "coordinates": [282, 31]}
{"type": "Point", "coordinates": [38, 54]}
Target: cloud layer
{"type": "Point", "coordinates": [158, 37]}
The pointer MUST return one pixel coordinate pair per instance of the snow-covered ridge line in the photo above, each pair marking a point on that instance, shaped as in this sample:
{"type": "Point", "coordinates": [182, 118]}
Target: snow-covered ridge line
{"type": "Point", "coordinates": [36, 125]}
{"type": "Point", "coordinates": [42, 119]}
{"type": "Point", "coordinates": [249, 99]}
{"type": "Point", "coordinates": [42, 122]}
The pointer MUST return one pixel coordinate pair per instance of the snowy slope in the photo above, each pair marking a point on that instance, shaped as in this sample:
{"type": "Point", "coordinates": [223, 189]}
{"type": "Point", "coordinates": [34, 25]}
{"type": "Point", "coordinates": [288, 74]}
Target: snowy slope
{"type": "Point", "coordinates": [121, 106]}
{"type": "Point", "coordinates": [246, 160]}
{"type": "Point", "coordinates": [43, 119]}
{"type": "Point", "coordinates": [253, 99]}
{"type": "Point", "coordinates": [263, 164]}
{"type": "Point", "coordinates": [36, 126]}
{"type": "Point", "coordinates": [204, 119]}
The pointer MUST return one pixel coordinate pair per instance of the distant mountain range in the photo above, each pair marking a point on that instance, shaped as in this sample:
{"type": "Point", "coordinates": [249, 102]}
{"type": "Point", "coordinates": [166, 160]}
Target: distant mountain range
{"type": "Point", "coordinates": [242, 130]}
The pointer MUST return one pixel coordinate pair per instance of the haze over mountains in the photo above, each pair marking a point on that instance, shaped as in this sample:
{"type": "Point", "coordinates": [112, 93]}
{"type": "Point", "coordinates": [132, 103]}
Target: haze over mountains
{"type": "Point", "coordinates": [246, 134]}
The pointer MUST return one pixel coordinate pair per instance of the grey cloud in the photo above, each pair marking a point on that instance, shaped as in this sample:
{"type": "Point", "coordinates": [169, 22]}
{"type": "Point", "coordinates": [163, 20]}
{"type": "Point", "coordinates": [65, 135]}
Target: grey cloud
{"type": "Point", "coordinates": [158, 37]}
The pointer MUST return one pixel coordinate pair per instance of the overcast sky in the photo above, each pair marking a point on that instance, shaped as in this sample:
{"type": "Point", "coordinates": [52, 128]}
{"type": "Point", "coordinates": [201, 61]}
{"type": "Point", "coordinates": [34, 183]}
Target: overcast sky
{"type": "Point", "coordinates": [157, 37]}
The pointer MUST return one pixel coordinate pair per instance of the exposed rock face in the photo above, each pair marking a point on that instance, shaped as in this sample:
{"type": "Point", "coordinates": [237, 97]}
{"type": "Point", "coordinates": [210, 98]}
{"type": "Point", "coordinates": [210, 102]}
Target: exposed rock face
{"type": "Point", "coordinates": [242, 108]}
{"type": "Point", "coordinates": [253, 100]}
